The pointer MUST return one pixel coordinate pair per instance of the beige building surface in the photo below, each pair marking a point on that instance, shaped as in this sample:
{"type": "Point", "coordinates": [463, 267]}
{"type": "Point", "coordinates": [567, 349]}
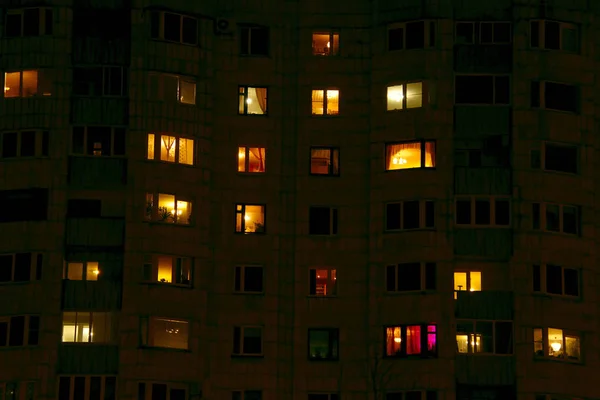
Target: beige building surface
{"type": "Point", "coordinates": [299, 199]}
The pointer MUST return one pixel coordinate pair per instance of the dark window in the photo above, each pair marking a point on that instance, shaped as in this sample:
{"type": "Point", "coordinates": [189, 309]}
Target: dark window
{"type": "Point", "coordinates": [91, 23]}
{"type": "Point", "coordinates": [189, 31]}
{"type": "Point", "coordinates": [3, 333]}
{"type": "Point", "coordinates": [409, 277]}
{"type": "Point", "coordinates": [536, 213]}
{"type": "Point", "coordinates": [17, 331]}
{"type": "Point", "coordinates": [6, 268]}
{"type": "Point", "coordinates": [84, 208]}
{"type": "Point", "coordinates": [482, 89]}
{"type": "Point", "coordinates": [560, 158]}
{"type": "Point", "coordinates": [31, 22]}
{"type": "Point", "coordinates": [571, 282]}
{"type": "Point", "coordinates": [465, 33]}
{"type": "Point", "coordinates": [482, 212]}
{"type": "Point", "coordinates": [323, 344]}
{"type": "Point", "coordinates": [34, 331]}
{"type": "Point", "coordinates": [247, 340]}
{"type": "Point", "coordinates": [249, 279]}
{"type": "Point", "coordinates": [411, 214]}
{"type": "Point", "coordinates": [98, 141]}
{"type": "Point", "coordinates": [393, 216]}
{"type": "Point", "coordinates": [172, 26]}
{"type": "Point", "coordinates": [322, 221]}
{"type": "Point", "coordinates": [87, 81]}
{"type": "Point", "coordinates": [395, 39]}
{"type": "Point", "coordinates": [159, 391]}
{"type": "Point", "coordinates": [463, 212]}
{"type": "Point", "coordinates": [115, 81]}
{"type": "Point", "coordinates": [415, 35]}
{"type": "Point", "coordinates": [561, 97]}
{"type": "Point", "coordinates": [13, 25]}
{"type": "Point", "coordinates": [553, 217]}
{"type": "Point", "coordinates": [23, 205]}
{"type": "Point", "coordinates": [503, 338]}
{"type": "Point", "coordinates": [553, 279]}
{"type": "Point", "coordinates": [552, 35]}
{"type": "Point", "coordinates": [537, 278]}
{"type": "Point", "coordinates": [28, 144]}
{"type": "Point", "coordinates": [570, 217]}
{"type": "Point", "coordinates": [502, 212]}
{"type": "Point", "coordinates": [254, 40]}
{"type": "Point", "coordinates": [64, 388]}
{"type": "Point", "coordinates": [534, 38]}
{"type": "Point", "coordinates": [45, 143]}
{"type": "Point", "coordinates": [22, 267]}
{"type": "Point", "coordinates": [9, 144]}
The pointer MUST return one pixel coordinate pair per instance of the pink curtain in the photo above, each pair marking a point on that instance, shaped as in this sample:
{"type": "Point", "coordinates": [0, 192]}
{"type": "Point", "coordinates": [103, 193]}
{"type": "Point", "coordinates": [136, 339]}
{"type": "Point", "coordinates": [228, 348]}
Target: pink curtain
{"type": "Point", "coordinates": [261, 96]}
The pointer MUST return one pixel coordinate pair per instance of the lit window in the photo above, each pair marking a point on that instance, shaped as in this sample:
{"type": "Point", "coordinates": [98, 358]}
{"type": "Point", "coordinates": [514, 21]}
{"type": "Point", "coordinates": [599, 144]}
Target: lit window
{"type": "Point", "coordinates": [554, 279]}
{"type": "Point", "coordinates": [250, 218]}
{"type": "Point", "coordinates": [325, 161]}
{"type": "Point", "coordinates": [26, 84]}
{"type": "Point", "coordinates": [251, 159]}
{"type": "Point", "coordinates": [20, 267]}
{"type": "Point", "coordinates": [172, 88]}
{"type": "Point", "coordinates": [164, 332]}
{"type": "Point", "coordinates": [325, 102]}
{"type": "Point", "coordinates": [172, 149]}
{"type": "Point", "coordinates": [173, 27]}
{"type": "Point", "coordinates": [248, 279]}
{"type": "Point", "coordinates": [559, 344]}
{"type": "Point", "coordinates": [323, 344]}
{"type": "Point", "coordinates": [411, 340]}
{"type": "Point", "coordinates": [102, 141]}
{"type": "Point", "coordinates": [88, 327]}
{"type": "Point", "coordinates": [470, 280]}
{"type": "Point", "coordinates": [409, 95]}
{"type": "Point", "coordinates": [247, 341]}
{"type": "Point", "coordinates": [252, 100]}
{"type": "Point", "coordinates": [168, 269]}
{"type": "Point", "coordinates": [409, 155]}
{"type": "Point", "coordinates": [322, 282]}
{"type": "Point", "coordinates": [491, 337]}
{"type": "Point", "coordinates": [82, 271]}
{"type": "Point", "coordinates": [168, 208]}
{"type": "Point", "coordinates": [325, 43]}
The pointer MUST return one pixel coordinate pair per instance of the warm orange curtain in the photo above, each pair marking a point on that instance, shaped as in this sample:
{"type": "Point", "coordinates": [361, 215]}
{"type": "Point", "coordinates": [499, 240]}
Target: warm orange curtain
{"type": "Point", "coordinates": [261, 96]}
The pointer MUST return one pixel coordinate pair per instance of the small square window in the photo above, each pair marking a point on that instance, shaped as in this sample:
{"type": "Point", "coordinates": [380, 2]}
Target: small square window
{"type": "Point", "coordinates": [247, 341]}
{"type": "Point", "coordinates": [254, 41]}
{"type": "Point", "coordinates": [325, 43]}
{"type": "Point", "coordinates": [252, 159]}
{"type": "Point", "coordinates": [325, 102]}
{"type": "Point", "coordinates": [325, 161]}
{"type": "Point", "coordinates": [322, 282]}
{"type": "Point", "coordinates": [250, 219]}
{"type": "Point", "coordinates": [323, 221]}
{"type": "Point", "coordinates": [252, 100]}
{"type": "Point", "coordinates": [248, 279]}
{"type": "Point", "coordinates": [323, 344]}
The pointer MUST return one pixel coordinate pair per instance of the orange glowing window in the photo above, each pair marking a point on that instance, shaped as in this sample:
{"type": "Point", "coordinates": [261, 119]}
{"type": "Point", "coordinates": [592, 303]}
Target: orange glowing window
{"type": "Point", "coordinates": [420, 154]}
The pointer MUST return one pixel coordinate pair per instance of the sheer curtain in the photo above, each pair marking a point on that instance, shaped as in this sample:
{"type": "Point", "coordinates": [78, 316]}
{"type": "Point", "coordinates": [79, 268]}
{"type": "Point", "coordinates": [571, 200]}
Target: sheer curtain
{"type": "Point", "coordinates": [261, 96]}
{"type": "Point", "coordinates": [429, 154]}
{"type": "Point", "coordinates": [413, 340]}
{"type": "Point", "coordinates": [392, 347]}
{"type": "Point", "coordinates": [394, 155]}
{"type": "Point", "coordinates": [259, 154]}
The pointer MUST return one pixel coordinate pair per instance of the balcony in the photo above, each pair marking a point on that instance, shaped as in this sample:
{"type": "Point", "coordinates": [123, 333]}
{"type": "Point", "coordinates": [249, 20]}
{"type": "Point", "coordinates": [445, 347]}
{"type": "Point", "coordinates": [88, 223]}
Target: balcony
{"type": "Point", "coordinates": [100, 110]}
{"type": "Point", "coordinates": [88, 359]}
{"type": "Point", "coordinates": [483, 58]}
{"type": "Point", "coordinates": [487, 304]}
{"type": "Point", "coordinates": [95, 232]}
{"type": "Point", "coordinates": [101, 51]}
{"type": "Point", "coordinates": [485, 243]}
{"type": "Point", "coordinates": [91, 295]}
{"type": "Point", "coordinates": [97, 171]}
{"type": "Point", "coordinates": [484, 180]}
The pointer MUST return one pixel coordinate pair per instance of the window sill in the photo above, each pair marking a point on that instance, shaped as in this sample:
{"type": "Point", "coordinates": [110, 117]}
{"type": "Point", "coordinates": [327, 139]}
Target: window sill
{"type": "Point", "coordinates": [162, 162]}
{"type": "Point", "coordinates": [557, 360]}
{"type": "Point", "coordinates": [88, 344]}
{"type": "Point", "coordinates": [312, 359]}
{"type": "Point", "coordinates": [555, 233]}
{"type": "Point", "coordinates": [473, 226]}
{"type": "Point", "coordinates": [253, 115]}
{"type": "Point", "coordinates": [160, 223]}
{"type": "Point", "coordinates": [394, 231]}
{"type": "Point", "coordinates": [159, 40]}
{"type": "Point", "coordinates": [573, 113]}
{"type": "Point", "coordinates": [320, 296]}
{"type": "Point", "coordinates": [326, 116]}
{"type": "Point", "coordinates": [141, 347]}
{"type": "Point", "coordinates": [411, 169]}
{"type": "Point", "coordinates": [483, 355]}
{"type": "Point", "coordinates": [248, 356]}
{"type": "Point", "coordinates": [564, 173]}
{"type": "Point", "coordinates": [257, 294]}
{"type": "Point", "coordinates": [411, 292]}
{"type": "Point", "coordinates": [403, 110]}
{"type": "Point", "coordinates": [168, 284]}
{"type": "Point", "coordinates": [557, 296]}
{"type": "Point", "coordinates": [250, 233]}
{"type": "Point", "coordinates": [325, 175]}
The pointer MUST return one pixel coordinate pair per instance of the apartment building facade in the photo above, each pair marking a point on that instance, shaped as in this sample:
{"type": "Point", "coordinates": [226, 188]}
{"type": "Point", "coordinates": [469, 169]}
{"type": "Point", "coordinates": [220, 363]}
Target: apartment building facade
{"type": "Point", "coordinates": [252, 200]}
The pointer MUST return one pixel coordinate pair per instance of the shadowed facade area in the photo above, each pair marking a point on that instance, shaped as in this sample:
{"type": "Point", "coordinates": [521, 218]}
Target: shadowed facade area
{"type": "Point", "coordinates": [298, 199]}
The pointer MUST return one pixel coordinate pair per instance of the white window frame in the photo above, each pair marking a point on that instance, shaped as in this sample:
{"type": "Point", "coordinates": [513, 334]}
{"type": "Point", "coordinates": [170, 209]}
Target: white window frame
{"type": "Point", "coordinates": [153, 217]}
{"type": "Point", "coordinates": [565, 333]}
{"type": "Point", "coordinates": [158, 149]}
{"type": "Point", "coordinates": [542, 219]}
{"type": "Point", "coordinates": [85, 141]}
{"type": "Point", "coordinates": [472, 335]}
{"type": "Point", "coordinates": [426, 34]}
{"type": "Point", "coordinates": [163, 96]}
{"type": "Point", "coordinates": [151, 264]}
{"type": "Point", "coordinates": [563, 26]}
{"type": "Point", "coordinates": [161, 28]}
{"type": "Point", "coordinates": [110, 332]}
{"type": "Point", "coordinates": [40, 137]}
{"type": "Point", "coordinates": [422, 215]}
{"type": "Point", "coordinates": [492, 201]}
{"type": "Point", "coordinates": [21, 390]}
{"type": "Point", "coordinates": [84, 272]}
{"type": "Point", "coordinates": [398, 268]}
{"type": "Point", "coordinates": [37, 261]}
{"type": "Point", "coordinates": [243, 352]}
{"type": "Point", "coordinates": [42, 18]}
{"type": "Point", "coordinates": [240, 270]}
{"type": "Point", "coordinates": [543, 281]}
{"type": "Point", "coordinates": [88, 380]}
{"type": "Point", "coordinates": [331, 281]}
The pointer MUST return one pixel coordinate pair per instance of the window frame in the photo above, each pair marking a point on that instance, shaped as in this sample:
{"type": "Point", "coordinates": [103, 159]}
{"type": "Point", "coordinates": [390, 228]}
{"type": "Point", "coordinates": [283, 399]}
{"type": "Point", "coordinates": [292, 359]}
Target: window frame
{"type": "Point", "coordinates": [106, 79]}
{"type": "Point", "coordinates": [111, 331]}
{"type": "Point", "coordinates": [41, 143]}
{"type": "Point", "coordinates": [333, 151]}
{"type": "Point", "coordinates": [113, 135]}
{"type": "Point", "coordinates": [241, 329]}
{"type": "Point", "coordinates": [543, 281]}
{"type": "Point", "coordinates": [542, 35]}
{"type": "Point", "coordinates": [542, 220]}
{"type": "Point", "coordinates": [422, 215]}
{"type": "Point", "coordinates": [152, 217]}
{"type": "Point", "coordinates": [148, 387]}
{"type": "Point", "coordinates": [331, 281]}
{"type": "Point", "coordinates": [473, 334]}
{"type": "Point", "coordinates": [161, 28]}
{"type": "Point", "coordinates": [42, 82]}
{"type": "Point", "coordinates": [424, 285]}
{"type": "Point", "coordinates": [429, 41]}
{"type": "Point", "coordinates": [247, 152]}
{"type": "Point", "coordinates": [88, 385]}
{"type": "Point", "coordinates": [546, 346]}
{"type": "Point", "coordinates": [157, 149]}
{"type": "Point", "coordinates": [325, 101]}
{"type": "Point", "coordinates": [163, 96]}
{"type": "Point", "coordinates": [43, 13]}
{"type": "Point", "coordinates": [332, 33]}
{"type": "Point", "coordinates": [84, 266]}
{"type": "Point", "coordinates": [541, 96]}
{"type": "Point", "coordinates": [495, 90]}
{"type": "Point", "coordinates": [239, 274]}
{"type": "Point", "coordinates": [250, 28]}
{"type": "Point", "coordinates": [423, 143]}
{"type": "Point", "coordinates": [27, 330]}
{"type": "Point", "coordinates": [334, 220]}
{"type": "Point", "coordinates": [468, 273]}
{"type": "Point", "coordinates": [476, 29]}
{"type": "Point", "coordinates": [424, 353]}
{"type": "Point", "coordinates": [547, 144]}
{"type": "Point", "coordinates": [333, 344]}
{"type": "Point", "coordinates": [151, 264]}
{"type": "Point", "coordinates": [35, 268]}
{"type": "Point", "coordinates": [242, 230]}
{"type": "Point", "coordinates": [145, 338]}
{"type": "Point", "coordinates": [244, 95]}
{"type": "Point", "coordinates": [404, 85]}
{"type": "Point", "coordinates": [473, 211]}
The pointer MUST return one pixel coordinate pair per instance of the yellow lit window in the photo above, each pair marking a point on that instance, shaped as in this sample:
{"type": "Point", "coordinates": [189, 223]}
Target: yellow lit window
{"type": "Point", "coordinates": [12, 84]}
{"type": "Point", "coordinates": [150, 146]}
{"type": "Point", "coordinates": [187, 92]}
{"type": "Point", "coordinates": [30, 83]}
{"type": "Point", "coordinates": [470, 281]}
{"type": "Point", "coordinates": [82, 271]}
{"type": "Point", "coordinates": [250, 218]}
{"type": "Point", "coordinates": [86, 327]}
{"type": "Point", "coordinates": [325, 102]}
{"type": "Point", "coordinates": [172, 149]}
{"type": "Point", "coordinates": [409, 95]}
{"type": "Point", "coordinates": [325, 43]}
{"type": "Point", "coordinates": [167, 148]}
{"type": "Point", "coordinates": [186, 151]}
{"type": "Point", "coordinates": [168, 269]}
{"type": "Point", "coordinates": [251, 159]}
{"type": "Point", "coordinates": [419, 154]}
{"type": "Point", "coordinates": [165, 269]}
{"type": "Point", "coordinates": [252, 100]}
{"type": "Point", "coordinates": [169, 208]}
